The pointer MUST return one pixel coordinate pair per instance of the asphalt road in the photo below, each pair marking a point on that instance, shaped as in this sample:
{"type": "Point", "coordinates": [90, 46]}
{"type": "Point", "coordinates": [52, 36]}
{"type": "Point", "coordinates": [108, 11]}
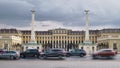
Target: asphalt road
{"type": "Point", "coordinates": [70, 62]}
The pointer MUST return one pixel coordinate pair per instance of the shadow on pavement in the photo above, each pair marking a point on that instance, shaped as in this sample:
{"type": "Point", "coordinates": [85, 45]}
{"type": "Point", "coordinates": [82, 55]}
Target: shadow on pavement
{"type": "Point", "coordinates": [53, 59]}
{"type": "Point", "coordinates": [103, 58]}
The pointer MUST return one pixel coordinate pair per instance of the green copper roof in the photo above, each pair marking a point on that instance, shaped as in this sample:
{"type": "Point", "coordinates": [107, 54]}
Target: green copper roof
{"type": "Point", "coordinates": [32, 43]}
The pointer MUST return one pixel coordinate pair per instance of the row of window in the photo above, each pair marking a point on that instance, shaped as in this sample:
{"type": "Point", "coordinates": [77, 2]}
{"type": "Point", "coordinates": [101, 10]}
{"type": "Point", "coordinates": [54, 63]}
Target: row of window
{"type": "Point", "coordinates": [59, 37]}
{"type": "Point", "coordinates": [60, 32]}
{"type": "Point", "coordinates": [57, 32]}
{"type": "Point", "coordinates": [110, 31]}
{"type": "Point", "coordinates": [8, 31]}
{"type": "Point", "coordinates": [57, 42]}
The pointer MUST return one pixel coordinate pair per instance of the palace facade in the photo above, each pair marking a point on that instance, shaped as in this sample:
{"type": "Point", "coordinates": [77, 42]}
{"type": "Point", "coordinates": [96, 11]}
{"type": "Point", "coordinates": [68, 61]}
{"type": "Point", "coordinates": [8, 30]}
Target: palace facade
{"type": "Point", "coordinates": [12, 39]}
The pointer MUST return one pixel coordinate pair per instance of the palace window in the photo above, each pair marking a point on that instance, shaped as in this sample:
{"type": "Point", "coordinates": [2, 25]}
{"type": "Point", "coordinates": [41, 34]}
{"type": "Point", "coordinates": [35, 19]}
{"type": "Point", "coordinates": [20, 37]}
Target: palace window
{"type": "Point", "coordinates": [114, 46]}
{"type": "Point", "coordinates": [59, 37]}
{"type": "Point", "coordinates": [23, 36]}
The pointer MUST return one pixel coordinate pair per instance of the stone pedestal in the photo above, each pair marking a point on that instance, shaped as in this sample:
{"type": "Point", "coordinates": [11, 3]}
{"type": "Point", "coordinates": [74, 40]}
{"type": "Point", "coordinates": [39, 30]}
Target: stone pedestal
{"type": "Point", "coordinates": [88, 47]}
{"type": "Point", "coordinates": [32, 45]}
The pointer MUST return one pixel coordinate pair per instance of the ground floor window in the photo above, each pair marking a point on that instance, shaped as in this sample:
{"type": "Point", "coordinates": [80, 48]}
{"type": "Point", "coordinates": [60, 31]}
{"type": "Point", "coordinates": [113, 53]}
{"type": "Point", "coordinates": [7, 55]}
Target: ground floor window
{"type": "Point", "coordinates": [6, 47]}
{"type": "Point", "coordinates": [81, 47]}
{"type": "Point", "coordinates": [26, 47]}
{"type": "Point", "coordinates": [114, 46]}
{"type": "Point", "coordinates": [38, 48]}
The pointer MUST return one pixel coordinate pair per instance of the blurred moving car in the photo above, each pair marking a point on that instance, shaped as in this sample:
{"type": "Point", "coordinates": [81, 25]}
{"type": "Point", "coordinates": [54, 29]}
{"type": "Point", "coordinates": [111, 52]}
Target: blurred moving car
{"type": "Point", "coordinates": [60, 53]}
{"type": "Point", "coordinates": [76, 52]}
{"type": "Point", "coordinates": [109, 53]}
{"type": "Point", "coordinates": [10, 55]}
{"type": "Point", "coordinates": [30, 53]}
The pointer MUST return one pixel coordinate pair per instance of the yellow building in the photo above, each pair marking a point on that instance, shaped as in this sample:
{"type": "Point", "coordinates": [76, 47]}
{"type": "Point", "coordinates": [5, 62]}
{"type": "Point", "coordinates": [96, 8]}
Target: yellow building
{"type": "Point", "coordinates": [10, 39]}
{"type": "Point", "coordinates": [61, 38]}
{"type": "Point", "coordinates": [109, 38]}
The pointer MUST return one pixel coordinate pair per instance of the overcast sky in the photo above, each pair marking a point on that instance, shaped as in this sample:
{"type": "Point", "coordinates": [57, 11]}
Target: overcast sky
{"type": "Point", "coordinates": [51, 14]}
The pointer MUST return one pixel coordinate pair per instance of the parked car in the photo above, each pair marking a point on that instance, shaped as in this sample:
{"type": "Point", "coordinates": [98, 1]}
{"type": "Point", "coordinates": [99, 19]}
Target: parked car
{"type": "Point", "coordinates": [30, 53]}
{"type": "Point", "coordinates": [2, 50]}
{"type": "Point", "coordinates": [10, 55]}
{"type": "Point", "coordinates": [60, 53]}
{"type": "Point", "coordinates": [76, 52]}
{"type": "Point", "coordinates": [109, 53]}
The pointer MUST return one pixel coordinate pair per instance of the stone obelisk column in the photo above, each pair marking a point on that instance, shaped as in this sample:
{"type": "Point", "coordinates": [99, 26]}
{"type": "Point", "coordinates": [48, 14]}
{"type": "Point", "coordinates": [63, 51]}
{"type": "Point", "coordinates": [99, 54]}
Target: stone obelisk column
{"type": "Point", "coordinates": [32, 27]}
{"type": "Point", "coordinates": [86, 27]}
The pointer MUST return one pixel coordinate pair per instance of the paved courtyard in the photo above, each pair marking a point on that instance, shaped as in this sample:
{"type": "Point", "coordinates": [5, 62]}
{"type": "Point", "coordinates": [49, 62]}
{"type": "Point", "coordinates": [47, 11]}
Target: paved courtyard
{"type": "Point", "coordinates": [69, 62]}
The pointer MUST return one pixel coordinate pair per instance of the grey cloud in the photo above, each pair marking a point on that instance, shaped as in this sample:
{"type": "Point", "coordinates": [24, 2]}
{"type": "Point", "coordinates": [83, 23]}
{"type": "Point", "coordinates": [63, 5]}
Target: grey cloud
{"type": "Point", "coordinates": [14, 12]}
{"type": "Point", "coordinates": [68, 12]}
